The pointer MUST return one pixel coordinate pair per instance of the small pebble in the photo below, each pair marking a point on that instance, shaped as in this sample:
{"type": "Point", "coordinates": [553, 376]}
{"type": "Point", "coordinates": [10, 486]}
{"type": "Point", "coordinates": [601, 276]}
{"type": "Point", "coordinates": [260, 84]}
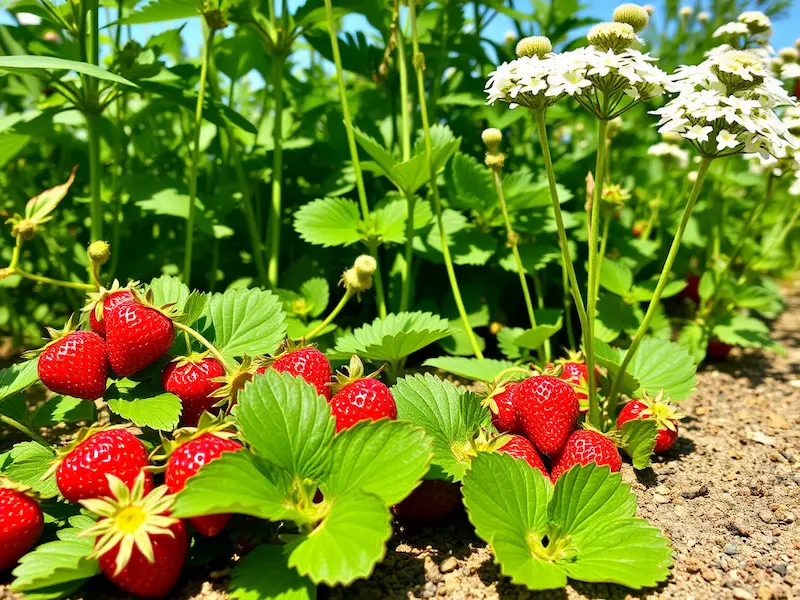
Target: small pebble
{"type": "Point", "coordinates": [694, 492]}
{"type": "Point", "coordinates": [659, 499]}
{"type": "Point", "coordinates": [731, 549]}
{"type": "Point", "coordinates": [708, 574]}
{"type": "Point", "coordinates": [767, 516]}
{"type": "Point", "coordinates": [781, 569]}
{"type": "Point", "coordinates": [742, 594]}
{"type": "Point", "coordinates": [448, 564]}
{"type": "Point", "coordinates": [739, 529]}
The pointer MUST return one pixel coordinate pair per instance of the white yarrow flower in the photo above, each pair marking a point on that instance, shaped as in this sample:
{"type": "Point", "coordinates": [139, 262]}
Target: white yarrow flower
{"type": "Point", "coordinates": [726, 139]}
{"type": "Point", "coordinates": [698, 132]}
{"type": "Point", "coordinates": [731, 29]}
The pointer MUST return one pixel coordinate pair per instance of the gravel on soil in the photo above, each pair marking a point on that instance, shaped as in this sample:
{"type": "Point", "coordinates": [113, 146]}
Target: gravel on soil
{"type": "Point", "coordinates": [727, 495]}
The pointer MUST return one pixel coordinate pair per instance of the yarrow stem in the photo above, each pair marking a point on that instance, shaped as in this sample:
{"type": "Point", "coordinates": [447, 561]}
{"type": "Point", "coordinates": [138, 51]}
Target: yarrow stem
{"type": "Point", "coordinates": [333, 314]}
{"type": "Point", "coordinates": [426, 131]}
{"type": "Point", "coordinates": [662, 282]}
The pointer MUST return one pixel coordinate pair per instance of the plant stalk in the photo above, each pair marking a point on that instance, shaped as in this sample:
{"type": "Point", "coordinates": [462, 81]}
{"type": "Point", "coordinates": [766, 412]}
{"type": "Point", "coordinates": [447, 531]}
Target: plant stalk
{"type": "Point", "coordinates": [208, 345]}
{"type": "Point", "coordinates": [274, 235]}
{"type": "Point", "coordinates": [26, 430]}
{"type": "Point", "coordinates": [426, 130]}
{"type": "Point", "coordinates": [777, 241]}
{"type": "Point", "coordinates": [333, 314]}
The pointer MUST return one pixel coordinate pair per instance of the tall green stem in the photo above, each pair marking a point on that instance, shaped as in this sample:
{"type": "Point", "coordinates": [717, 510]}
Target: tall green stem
{"type": "Point", "coordinates": [26, 430]}
{"type": "Point", "coordinates": [333, 314]}
{"type": "Point", "coordinates": [274, 236]}
{"type": "Point", "coordinates": [591, 307]}
{"type": "Point", "coordinates": [402, 68]}
{"type": "Point", "coordinates": [93, 121]}
{"type": "Point", "coordinates": [351, 143]}
{"type": "Point", "coordinates": [198, 122]}
{"type": "Point", "coordinates": [566, 258]}
{"type": "Point", "coordinates": [662, 282]}
{"type": "Point", "coordinates": [512, 241]}
{"type": "Point", "coordinates": [419, 67]}
{"type": "Point", "coordinates": [776, 241]}
{"type": "Point", "coordinates": [602, 253]}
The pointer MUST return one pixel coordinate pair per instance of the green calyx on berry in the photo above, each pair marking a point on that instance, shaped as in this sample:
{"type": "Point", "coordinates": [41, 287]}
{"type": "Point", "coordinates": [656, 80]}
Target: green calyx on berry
{"type": "Point", "coordinates": [287, 347]}
{"type": "Point", "coordinates": [55, 335]}
{"type": "Point", "coordinates": [660, 409]}
{"type": "Point", "coordinates": [549, 370]}
{"type": "Point", "coordinates": [233, 381]}
{"type": "Point", "coordinates": [16, 486]}
{"type": "Point", "coordinates": [97, 298]}
{"type": "Point", "coordinates": [615, 435]}
{"type": "Point", "coordinates": [83, 434]}
{"type": "Point", "coordinates": [500, 384]}
{"type": "Point", "coordinates": [351, 373]}
{"type": "Point", "coordinates": [219, 425]}
{"type": "Point", "coordinates": [128, 519]}
{"type": "Point", "coordinates": [169, 310]}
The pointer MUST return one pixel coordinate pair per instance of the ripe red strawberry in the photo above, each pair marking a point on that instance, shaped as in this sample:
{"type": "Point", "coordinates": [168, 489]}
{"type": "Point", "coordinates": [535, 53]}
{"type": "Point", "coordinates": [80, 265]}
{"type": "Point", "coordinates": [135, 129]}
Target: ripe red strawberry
{"type": "Point", "coordinates": [639, 228]}
{"type": "Point", "coordinates": [692, 289]}
{"type": "Point", "coordinates": [140, 548]}
{"type": "Point", "coordinates": [82, 468]}
{"type": "Point", "coordinates": [136, 337]}
{"type": "Point", "coordinates": [520, 447]}
{"type": "Point", "coordinates": [187, 459]}
{"type": "Point", "coordinates": [308, 363]}
{"type": "Point", "coordinates": [75, 364]}
{"type": "Point", "coordinates": [359, 398]}
{"type": "Point", "coordinates": [505, 417]}
{"type": "Point", "coordinates": [431, 501]}
{"type": "Point", "coordinates": [21, 522]}
{"type": "Point", "coordinates": [97, 318]}
{"type": "Point", "coordinates": [661, 411]}
{"type": "Point", "coordinates": [546, 408]}
{"type": "Point", "coordinates": [191, 379]}
{"type": "Point", "coordinates": [718, 350]}
{"type": "Point", "coordinates": [575, 372]}
{"type": "Point", "coordinates": [583, 447]}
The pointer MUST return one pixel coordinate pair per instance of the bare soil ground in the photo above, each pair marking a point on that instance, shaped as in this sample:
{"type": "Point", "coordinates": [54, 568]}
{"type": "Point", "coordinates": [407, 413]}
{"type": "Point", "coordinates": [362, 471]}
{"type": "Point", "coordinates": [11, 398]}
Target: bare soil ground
{"type": "Point", "coordinates": [727, 494]}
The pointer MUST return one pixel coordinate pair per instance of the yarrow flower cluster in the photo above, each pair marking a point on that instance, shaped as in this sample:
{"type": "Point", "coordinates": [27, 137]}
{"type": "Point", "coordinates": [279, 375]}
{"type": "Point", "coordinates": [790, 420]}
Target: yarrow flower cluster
{"type": "Point", "coordinates": [725, 105]}
{"type": "Point", "coordinates": [666, 149]}
{"type": "Point", "coordinates": [753, 25]}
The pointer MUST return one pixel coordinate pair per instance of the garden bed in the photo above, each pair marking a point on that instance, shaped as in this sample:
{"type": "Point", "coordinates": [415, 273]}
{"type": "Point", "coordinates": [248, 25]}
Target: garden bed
{"type": "Point", "coordinates": [726, 494]}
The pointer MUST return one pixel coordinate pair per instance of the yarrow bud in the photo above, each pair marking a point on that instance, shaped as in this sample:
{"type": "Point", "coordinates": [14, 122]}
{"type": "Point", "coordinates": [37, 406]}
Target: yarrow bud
{"type": "Point", "coordinates": [99, 252]}
{"type": "Point", "coordinates": [365, 265]}
{"type": "Point", "coordinates": [739, 69]}
{"type": "Point", "coordinates": [686, 11]}
{"type": "Point", "coordinates": [650, 9]}
{"type": "Point", "coordinates": [756, 21]}
{"type": "Point", "coordinates": [789, 55]}
{"type": "Point", "coordinates": [534, 45]}
{"type": "Point", "coordinates": [611, 36]}
{"type": "Point", "coordinates": [632, 14]}
{"type": "Point", "coordinates": [492, 138]}
{"type": "Point", "coordinates": [358, 278]}
{"type": "Point", "coordinates": [25, 228]}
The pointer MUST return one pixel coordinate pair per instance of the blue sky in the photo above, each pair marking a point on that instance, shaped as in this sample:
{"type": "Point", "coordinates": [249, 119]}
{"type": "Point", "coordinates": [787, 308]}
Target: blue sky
{"type": "Point", "coordinates": [786, 30]}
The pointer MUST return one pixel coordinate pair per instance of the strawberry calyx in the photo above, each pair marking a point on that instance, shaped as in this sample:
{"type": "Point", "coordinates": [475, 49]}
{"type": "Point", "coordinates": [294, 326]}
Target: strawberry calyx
{"type": "Point", "coordinates": [551, 370]}
{"type": "Point", "coordinates": [16, 486]}
{"type": "Point", "coordinates": [614, 435]}
{"type": "Point", "coordinates": [218, 425]}
{"type": "Point", "coordinates": [572, 357]}
{"type": "Point", "coordinates": [96, 299]}
{"type": "Point", "coordinates": [129, 518]}
{"type": "Point", "coordinates": [54, 335]}
{"type": "Point", "coordinates": [501, 383]}
{"type": "Point", "coordinates": [660, 409]}
{"type": "Point", "coordinates": [351, 373]}
{"type": "Point", "coordinates": [169, 310]}
{"type": "Point", "coordinates": [83, 434]}
{"type": "Point", "coordinates": [481, 442]}
{"type": "Point", "coordinates": [193, 358]}
{"type": "Point", "coordinates": [233, 381]}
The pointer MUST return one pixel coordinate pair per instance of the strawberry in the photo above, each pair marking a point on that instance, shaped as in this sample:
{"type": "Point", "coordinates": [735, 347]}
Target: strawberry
{"type": "Point", "coordinates": [432, 500]}
{"type": "Point", "coordinates": [21, 522]}
{"type": "Point", "coordinates": [501, 405]}
{"type": "Point", "coordinates": [718, 350]}
{"type": "Point", "coordinates": [358, 398]}
{"type": "Point", "coordinates": [74, 364]}
{"type": "Point", "coordinates": [546, 408]}
{"type": "Point", "coordinates": [83, 466]}
{"type": "Point", "coordinates": [692, 289]}
{"type": "Point", "coordinates": [653, 408]}
{"type": "Point", "coordinates": [639, 228]}
{"type": "Point", "coordinates": [308, 363]}
{"type": "Point", "coordinates": [97, 319]}
{"type": "Point", "coordinates": [520, 447]}
{"type": "Point", "coordinates": [191, 450]}
{"type": "Point", "coordinates": [137, 335]}
{"type": "Point", "coordinates": [140, 548]}
{"type": "Point", "coordinates": [583, 447]}
{"type": "Point", "coordinates": [575, 372]}
{"type": "Point", "coordinates": [192, 379]}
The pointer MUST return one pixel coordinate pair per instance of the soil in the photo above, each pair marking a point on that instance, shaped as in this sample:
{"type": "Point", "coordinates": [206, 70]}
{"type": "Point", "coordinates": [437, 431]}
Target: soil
{"type": "Point", "coordinates": [727, 495]}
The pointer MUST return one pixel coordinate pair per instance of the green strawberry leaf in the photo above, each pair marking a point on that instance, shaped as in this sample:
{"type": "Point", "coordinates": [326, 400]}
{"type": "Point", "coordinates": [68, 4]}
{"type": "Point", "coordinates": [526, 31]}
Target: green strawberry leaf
{"type": "Point", "coordinates": [548, 323]}
{"type": "Point", "coordinates": [587, 532]}
{"type": "Point", "coordinates": [610, 358]}
{"type": "Point", "coordinates": [693, 339]}
{"type": "Point", "coordinates": [386, 459]}
{"type": "Point", "coordinates": [316, 293]}
{"type": "Point", "coordinates": [347, 543]}
{"type": "Point", "coordinates": [639, 439]}
{"type": "Point", "coordinates": [394, 337]}
{"type": "Point", "coordinates": [57, 563]}
{"type": "Point", "coordinates": [287, 423]}
{"type": "Point", "coordinates": [145, 406]}
{"type": "Point", "coordinates": [473, 184]}
{"type": "Point", "coordinates": [263, 574]}
{"type": "Point", "coordinates": [745, 332]}
{"type": "Point", "coordinates": [27, 463]}
{"type": "Point", "coordinates": [447, 413]}
{"type": "Point", "coordinates": [237, 482]}
{"type": "Point", "coordinates": [18, 377]}
{"type": "Point", "coordinates": [486, 369]}
{"type": "Point", "coordinates": [505, 341]}
{"type": "Point", "coordinates": [616, 277]}
{"type": "Point", "coordinates": [663, 365]}
{"type": "Point", "coordinates": [64, 409]}
{"type": "Point", "coordinates": [329, 222]}
{"type": "Point", "coordinates": [246, 321]}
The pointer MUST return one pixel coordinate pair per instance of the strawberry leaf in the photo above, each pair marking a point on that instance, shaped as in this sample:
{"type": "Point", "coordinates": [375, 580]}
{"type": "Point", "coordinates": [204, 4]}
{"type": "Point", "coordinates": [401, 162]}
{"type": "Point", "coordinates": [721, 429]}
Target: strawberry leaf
{"type": "Point", "coordinates": [64, 409]}
{"type": "Point", "coordinates": [329, 222]}
{"type": "Point", "coordinates": [171, 290]}
{"type": "Point", "coordinates": [18, 377]}
{"type": "Point", "coordinates": [616, 277]}
{"type": "Point", "coordinates": [287, 423]}
{"type": "Point", "coordinates": [663, 365]}
{"type": "Point", "coordinates": [385, 458]}
{"type": "Point", "coordinates": [347, 543]}
{"type": "Point", "coordinates": [548, 323]}
{"type": "Point", "coordinates": [145, 406]}
{"type": "Point", "coordinates": [264, 574]}
{"type": "Point", "coordinates": [246, 321]}
{"type": "Point", "coordinates": [639, 439]}
{"type": "Point", "coordinates": [237, 482]}
{"type": "Point", "coordinates": [477, 369]}
{"type": "Point", "coordinates": [587, 532]}
{"type": "Point", "coordinates": [744, 331]}
{"type": "Point", "coordinates": [27, 463]}
{"type": "Point", "coordinates": [394, 337]}
{"type": "Point", "coordinates": [55, 564]}
{"type": "Point", "coordinates": [449, 414]}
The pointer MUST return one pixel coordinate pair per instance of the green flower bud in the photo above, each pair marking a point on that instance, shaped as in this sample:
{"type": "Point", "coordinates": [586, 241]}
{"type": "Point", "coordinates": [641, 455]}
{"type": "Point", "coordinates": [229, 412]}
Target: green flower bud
{"type": "Point", "coordinates": [789, 54]}
{"type": "Point", "coordinates": [492, 138]}
{"type": "Point", "coordinates": [632, 14]}
{"type": "Point", "coordinates": [99, 252]}
{"type": "Point", "coordinates": [24, 228]}
{"type": "Point", "coordinates": [535, 45]}
{"type": "Point", "coordinates": [611, 36]}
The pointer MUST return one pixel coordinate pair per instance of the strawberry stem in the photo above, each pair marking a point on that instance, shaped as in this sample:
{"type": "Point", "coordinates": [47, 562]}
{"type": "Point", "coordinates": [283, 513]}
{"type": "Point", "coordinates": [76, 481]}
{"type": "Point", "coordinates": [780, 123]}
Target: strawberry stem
{"type": "Point", "coordinates": [211, 348]}
{"type": "Point", "coordinates": [316, 331]}
{"type": "Point", "coordinates": [27, 431]}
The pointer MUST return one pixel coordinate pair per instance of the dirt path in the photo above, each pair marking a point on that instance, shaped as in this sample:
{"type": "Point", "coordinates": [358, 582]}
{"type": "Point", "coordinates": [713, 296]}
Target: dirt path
{"type": "Point", "coordinates": [728, 495]}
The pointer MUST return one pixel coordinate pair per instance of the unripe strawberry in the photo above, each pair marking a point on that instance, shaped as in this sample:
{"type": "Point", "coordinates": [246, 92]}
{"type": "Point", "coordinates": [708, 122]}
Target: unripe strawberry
{"type": "Point", "coordinates": [83, 467]}
{"type": "Point", "coordinates": [586, 446]}
{"type": "Point", "coordinates": [21, 522]}
{"type": "Point", "coordinates": [192, 379]}
{"type": "Point", "coordinates": [547, 408]}
{"type": "Point", "coordinates": [359, 398]}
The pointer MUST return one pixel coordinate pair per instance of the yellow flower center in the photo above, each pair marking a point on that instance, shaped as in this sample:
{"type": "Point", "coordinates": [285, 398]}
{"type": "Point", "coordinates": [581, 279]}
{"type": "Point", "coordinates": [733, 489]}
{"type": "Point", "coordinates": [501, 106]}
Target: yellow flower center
{"type": "Point", "coordinates": [130, 519]}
